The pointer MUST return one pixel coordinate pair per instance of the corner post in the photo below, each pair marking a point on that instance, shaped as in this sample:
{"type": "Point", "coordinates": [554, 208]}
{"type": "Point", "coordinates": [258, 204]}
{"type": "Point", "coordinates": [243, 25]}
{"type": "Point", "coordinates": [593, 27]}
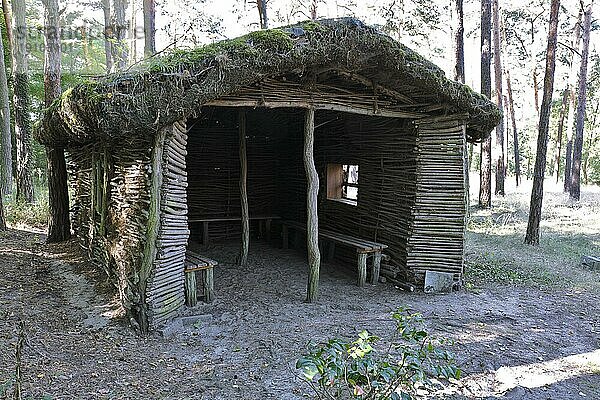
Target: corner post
{"type": "Point", "coordinates": [243, 258]}
{"type": "Point", "coordinates": [312, 222]}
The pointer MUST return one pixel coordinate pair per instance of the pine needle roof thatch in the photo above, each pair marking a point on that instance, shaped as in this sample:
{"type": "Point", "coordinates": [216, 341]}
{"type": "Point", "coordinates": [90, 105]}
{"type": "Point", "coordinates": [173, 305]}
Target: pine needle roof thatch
{"type": "Point", "coordinates": [167, 88]}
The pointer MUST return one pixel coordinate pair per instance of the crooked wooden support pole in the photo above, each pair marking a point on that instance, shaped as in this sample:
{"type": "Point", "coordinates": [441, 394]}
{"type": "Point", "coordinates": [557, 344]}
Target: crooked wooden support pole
{"type": "Point", "coordinates": [243, 259]}
{"type": "Point", "coordinates": [312, 222]}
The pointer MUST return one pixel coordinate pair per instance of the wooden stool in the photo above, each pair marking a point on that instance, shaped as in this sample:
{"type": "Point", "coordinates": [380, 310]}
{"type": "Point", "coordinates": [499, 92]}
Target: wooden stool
{"type": "Point", "coordinates": [195, 263]}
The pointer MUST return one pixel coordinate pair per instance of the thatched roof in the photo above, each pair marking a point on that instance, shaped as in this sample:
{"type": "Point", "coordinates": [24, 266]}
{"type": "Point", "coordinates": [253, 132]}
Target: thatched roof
{"type": "Point", "coordinates": [173, 86]}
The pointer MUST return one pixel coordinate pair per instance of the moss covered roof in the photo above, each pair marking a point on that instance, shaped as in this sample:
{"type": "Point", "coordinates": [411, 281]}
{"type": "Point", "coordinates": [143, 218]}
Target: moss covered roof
{"type": "Point", "coordinates": [170, 87]}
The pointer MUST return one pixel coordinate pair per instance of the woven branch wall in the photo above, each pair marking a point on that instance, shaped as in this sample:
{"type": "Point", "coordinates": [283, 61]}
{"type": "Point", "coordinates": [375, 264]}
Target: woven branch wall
{"type": "Point", "coordinates": [109, 212]}
{"type": "Point", "coordinates": [438, 215]}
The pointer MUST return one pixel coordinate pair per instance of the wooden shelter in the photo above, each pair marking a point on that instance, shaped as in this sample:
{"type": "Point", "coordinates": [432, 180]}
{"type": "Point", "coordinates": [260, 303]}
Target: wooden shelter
{"type": "Point", "coordinates": [328, 127]}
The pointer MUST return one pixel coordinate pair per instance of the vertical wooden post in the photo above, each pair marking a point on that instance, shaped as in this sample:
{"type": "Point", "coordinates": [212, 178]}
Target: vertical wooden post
{"type": "Point", "coordinates": [243, 259]}
{"type": "Point", "coordinates": [312, 218]}
{"type": "Point", "coordinates": [208, 285]}
{"type": "Point", "coordinates": [376, 268]}
{"type": "Point", "coordinates": [362, 269]}
{"type": "Point", "coordinates": [191, 298]}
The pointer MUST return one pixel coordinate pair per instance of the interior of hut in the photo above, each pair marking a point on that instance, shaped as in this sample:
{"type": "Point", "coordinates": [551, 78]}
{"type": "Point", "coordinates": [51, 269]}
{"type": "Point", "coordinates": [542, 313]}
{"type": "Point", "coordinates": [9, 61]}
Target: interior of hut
{"type": "Point", "coordinates": [365, 166]}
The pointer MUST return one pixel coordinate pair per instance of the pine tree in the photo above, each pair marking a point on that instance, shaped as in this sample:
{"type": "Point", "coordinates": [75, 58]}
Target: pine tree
{"type": "Point", "coordinates": [537, 193]}
{"type": "Point", "coordinates": [485, 171]}
{"type": "Point", "coordinates": [500, 173]}
{"type": "Point", "coordinates": [575, 187]}
{"type": "Point", "coordinates": [22, 104]}
{"type": "Point", "coordinates": [59, 227]}
{"type": "Point", "coordinates": [149, 27]}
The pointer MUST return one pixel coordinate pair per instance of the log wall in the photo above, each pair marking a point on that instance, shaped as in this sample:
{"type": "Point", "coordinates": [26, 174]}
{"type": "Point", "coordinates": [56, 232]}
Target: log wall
{"type": "Point", "coordinates": [165, 289]}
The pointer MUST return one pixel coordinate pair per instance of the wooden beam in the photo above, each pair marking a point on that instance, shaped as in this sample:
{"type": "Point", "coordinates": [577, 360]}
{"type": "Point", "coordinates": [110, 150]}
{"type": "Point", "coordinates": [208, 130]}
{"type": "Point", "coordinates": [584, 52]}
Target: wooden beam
{"type": "Point", "coordinates": [243, 259]}
{"type": "Point", "coordinates": [312, 222]}
{"type": "Point", "coordinates": [315, 106]}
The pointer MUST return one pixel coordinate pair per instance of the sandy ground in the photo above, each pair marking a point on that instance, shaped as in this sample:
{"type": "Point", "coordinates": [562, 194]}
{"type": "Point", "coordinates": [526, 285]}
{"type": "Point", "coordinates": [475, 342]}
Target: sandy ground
{"type": "Point", "coordinates": [534, 335]}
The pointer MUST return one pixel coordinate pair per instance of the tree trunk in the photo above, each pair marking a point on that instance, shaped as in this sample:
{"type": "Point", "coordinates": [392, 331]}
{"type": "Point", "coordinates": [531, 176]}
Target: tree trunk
{"type": "Point", "coordinates": [262, 13]}
{"type": "Point", "coordinates": [21, 104]}
{"type": "Point", "coordinates": [243, 258]}
{"type": "Point", "coordinates": [313, 9]}
{"type": "Point", "coordinates": [2, 220]}
{"type": "Point", "coordinates": [149, 28]}
{"type": "Point", "coordinates": [511, 111]}
{"type": "Point", "coordinates": [459, 43]}
{"type": "Point", "coordinates": [499, 101]}
{"type": "Point", "coordinates": [485, 174]}
{"type": "Point", "coordinates": [537, 193]}
{"type": "Point", "coordinates": [132, 34]}
{"type": "Point", "coordinates": [459, 76]}
{"type": "Point", "coordinates": [572, 83]}
{"type": "Point", "coordinates": [6, 166]}
{"type": "Point", "coordinates": [568, 162]}
{"type": "Point", "coordinates": [8, 23]}
{"type": "Point", "coordinates": [108, 36]}
{"type": "Point", "coordinates": [312, 217]}
{"type": "Point", "coordinates": [120, 48]}
{"type": "Point", "coordinates": [559, 134]}
{"type": "Point", "coordinates": [575, 189]}
{"type": "Point", "coordinates": [59, 227]}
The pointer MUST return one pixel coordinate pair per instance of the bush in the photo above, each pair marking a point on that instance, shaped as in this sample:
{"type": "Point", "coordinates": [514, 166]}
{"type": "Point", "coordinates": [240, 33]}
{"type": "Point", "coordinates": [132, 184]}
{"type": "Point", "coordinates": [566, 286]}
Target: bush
{"type": "Point", "coordinates": [359, 369]}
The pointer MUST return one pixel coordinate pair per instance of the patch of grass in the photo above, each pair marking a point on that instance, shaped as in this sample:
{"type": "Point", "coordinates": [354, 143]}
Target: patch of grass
{"type": "Point", "coordinates": [33, 215]}
{"type": "Point", "coordinates": [489, 267]}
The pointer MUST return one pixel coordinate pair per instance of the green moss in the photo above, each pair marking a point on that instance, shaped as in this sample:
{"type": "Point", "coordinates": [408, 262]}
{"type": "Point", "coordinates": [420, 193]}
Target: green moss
{"type": "Point", "coordinates": [242, 60]}
{"type": "Point", "coordinates": [271, 39]}
{"type": "Point", "coordinates": [312, 26]}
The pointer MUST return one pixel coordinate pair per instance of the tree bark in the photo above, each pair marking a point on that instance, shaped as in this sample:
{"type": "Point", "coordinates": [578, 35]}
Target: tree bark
{"type": "Point", "coordinates": [459, 76]}
{"type": "Point", "coordinates": [459, 43]}
{"type": "Point", "coordinates": [499, 101]}
{"type": "Point", "coordinates": [313, 9]}
{"type": "Point", "coordinates": [243, 258]}
{"type": "Point", "coordinates": [120, 48]}
{"type": "Point", "coordinates": [485, 173]}
{"type": "Point", "coordinates": [59, 227]}
{"type": "Point", "coordinates": [149, 28]}
{"type": "Point", "coordinates": [21, 103]}
{"type": "Point", "coordinates": [572, 83]}
{"type": "Point", "coordinates": [559, 134]}
{"type": "Point", "coordinates": [312, 217]}
{"type": "Point", "coordinates": [532, 236]}
{"type": "Point", "coordinates": [2, 220]}
{"type": "Point", "coordinates": [262, 13]}
{"type": "Point", "coordinates": [8, 23]}
{"type": "Point", "coordinates": [575, 189]}
{"type": "Point", "coordinates": [108, 36]}
{"type": "Point", "coordinates": [511, 111]}
{"type": "Point", "coordinates": [568, 162]}
{"type": "Point", "coordinates": [6, 166]}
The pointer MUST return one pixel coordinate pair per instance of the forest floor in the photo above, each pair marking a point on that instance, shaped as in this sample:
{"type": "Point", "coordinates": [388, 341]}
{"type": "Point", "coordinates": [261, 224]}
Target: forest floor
{"type": "Point", "coordinates": [527, 325]}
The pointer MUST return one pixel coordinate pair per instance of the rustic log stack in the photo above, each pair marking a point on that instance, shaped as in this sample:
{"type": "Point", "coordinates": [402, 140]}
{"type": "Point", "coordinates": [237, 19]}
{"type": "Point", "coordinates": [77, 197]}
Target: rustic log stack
{"type": "Point", "coordinates": [165, 289]}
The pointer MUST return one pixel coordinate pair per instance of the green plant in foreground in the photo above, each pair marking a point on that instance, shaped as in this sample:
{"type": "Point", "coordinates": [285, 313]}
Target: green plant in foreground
{"type": "Point", "coordinates": [342, 369]}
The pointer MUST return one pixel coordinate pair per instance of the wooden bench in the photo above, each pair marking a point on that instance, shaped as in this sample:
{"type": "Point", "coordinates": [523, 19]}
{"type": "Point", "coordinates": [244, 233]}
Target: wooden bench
{"type": "Point", "coordinates": [264, 224]}
{"type": "Point", "coordinates": [195, 263]}
{"type": "Point", "coordinates": [364, 248]}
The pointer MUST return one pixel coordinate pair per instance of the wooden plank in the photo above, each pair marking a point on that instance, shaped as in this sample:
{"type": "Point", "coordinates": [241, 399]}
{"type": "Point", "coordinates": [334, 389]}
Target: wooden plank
{"type": "Point", "coordinates": [314, 105]}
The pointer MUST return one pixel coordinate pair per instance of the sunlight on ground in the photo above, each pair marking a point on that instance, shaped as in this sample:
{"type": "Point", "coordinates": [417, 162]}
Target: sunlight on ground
{"type": "Point", "coordinates": [11, 252]}
{"type": "Point", "coordinates": [547, 372]}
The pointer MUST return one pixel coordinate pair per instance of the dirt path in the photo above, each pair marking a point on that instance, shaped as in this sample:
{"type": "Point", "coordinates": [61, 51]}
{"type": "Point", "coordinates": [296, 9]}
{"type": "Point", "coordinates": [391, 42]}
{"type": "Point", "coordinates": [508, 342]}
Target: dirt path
{"type": "Point", "coordinates": [244, 344]}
